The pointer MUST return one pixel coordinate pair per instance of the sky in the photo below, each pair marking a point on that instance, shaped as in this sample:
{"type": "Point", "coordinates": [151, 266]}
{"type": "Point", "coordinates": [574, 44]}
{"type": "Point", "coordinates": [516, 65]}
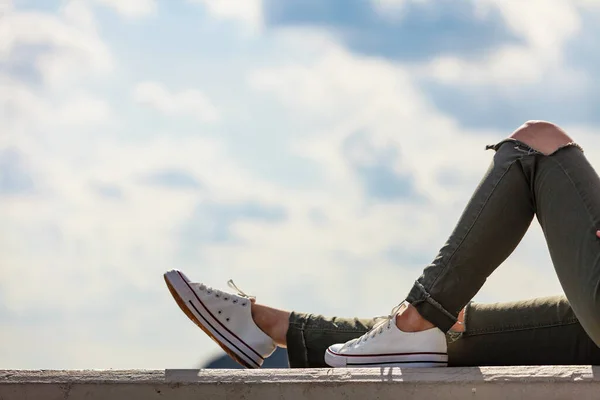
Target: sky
{"type": "Point", "coordinates": [317, 152]}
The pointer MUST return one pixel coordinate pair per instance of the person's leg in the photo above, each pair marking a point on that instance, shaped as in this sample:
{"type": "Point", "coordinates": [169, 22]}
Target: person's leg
{"type": "Point", "coordinates": [541, 331]}
{"type": "Point", "coordinates": [491, 226]}
{"type": "Point", "coordinates": [567, 200]}
{"type": "Point", "coordinates": [553, 179]}
{"type": "Point", "coordinates": [272, 321]}
{"type": "Point", "coordinates": [307, 336]}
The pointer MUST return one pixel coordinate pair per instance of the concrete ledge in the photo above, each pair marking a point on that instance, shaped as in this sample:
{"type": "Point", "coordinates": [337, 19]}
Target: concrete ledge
{"type": "Point", "coordinates": [542, 382]}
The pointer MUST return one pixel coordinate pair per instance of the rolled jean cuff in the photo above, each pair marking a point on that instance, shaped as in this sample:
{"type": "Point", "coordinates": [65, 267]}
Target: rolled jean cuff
{"type": "Point", "coordinates": [429, 308]}
{"type": "Point", "coordinates": [296, 343]}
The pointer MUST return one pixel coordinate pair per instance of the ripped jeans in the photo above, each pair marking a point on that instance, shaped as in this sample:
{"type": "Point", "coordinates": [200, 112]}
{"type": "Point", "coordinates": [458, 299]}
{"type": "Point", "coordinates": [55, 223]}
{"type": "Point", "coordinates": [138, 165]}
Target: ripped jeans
{"type": "Point", "coordinates": [563, 191]}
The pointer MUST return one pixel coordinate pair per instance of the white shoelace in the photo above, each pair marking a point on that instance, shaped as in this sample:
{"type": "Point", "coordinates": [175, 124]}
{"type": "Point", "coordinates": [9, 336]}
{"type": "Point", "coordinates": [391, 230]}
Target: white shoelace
{"type": "Point", "coordinates": [240, 292]}
{"type": "Point", "coordinates": [381, 321]}
{"type": "Point", "coordinates": [227, 296]}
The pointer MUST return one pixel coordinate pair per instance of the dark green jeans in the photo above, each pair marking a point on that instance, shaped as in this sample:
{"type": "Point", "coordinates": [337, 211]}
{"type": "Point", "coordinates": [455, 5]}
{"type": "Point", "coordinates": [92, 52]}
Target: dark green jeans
{"type": "Point", "coordinates": [563, 191]}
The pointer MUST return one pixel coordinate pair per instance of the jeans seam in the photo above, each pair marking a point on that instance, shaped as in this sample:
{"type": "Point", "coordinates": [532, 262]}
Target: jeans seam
{"type": "Point", "coordinates": [587, 209]}
{"type": "Point", "coordinates": [303, 337]}
{"type": "Point", "coordinates": [475, 220]}
{"type": "Point", "coordinates": [513, 328]}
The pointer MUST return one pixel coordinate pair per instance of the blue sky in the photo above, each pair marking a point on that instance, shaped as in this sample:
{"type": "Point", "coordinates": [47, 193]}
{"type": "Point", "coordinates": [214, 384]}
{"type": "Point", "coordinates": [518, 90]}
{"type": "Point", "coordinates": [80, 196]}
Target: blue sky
{"type": "Point", "coordinates": [310, 150]}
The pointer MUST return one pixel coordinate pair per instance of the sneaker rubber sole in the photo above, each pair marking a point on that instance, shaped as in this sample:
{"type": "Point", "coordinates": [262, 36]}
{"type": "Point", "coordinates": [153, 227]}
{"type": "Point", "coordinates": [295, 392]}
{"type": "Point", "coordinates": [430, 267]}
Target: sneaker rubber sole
{"type": "Point", "coordinates": [403, 360]}
{"type": "Point", "coordinates": [194, 308]}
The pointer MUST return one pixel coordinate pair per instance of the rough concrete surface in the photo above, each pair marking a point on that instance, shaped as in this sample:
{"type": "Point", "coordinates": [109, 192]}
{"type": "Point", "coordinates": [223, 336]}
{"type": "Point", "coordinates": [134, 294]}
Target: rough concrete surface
{"type": "Point", "coordinates": [493, 383]}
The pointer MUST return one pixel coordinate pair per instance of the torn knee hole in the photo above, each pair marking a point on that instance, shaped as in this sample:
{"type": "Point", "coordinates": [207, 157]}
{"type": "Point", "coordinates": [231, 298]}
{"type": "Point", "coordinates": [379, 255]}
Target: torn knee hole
{"type": "Point", "coordinates": [544, 137]}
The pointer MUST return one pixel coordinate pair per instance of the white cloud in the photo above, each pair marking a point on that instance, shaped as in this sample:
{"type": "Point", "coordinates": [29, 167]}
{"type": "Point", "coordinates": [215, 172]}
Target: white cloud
{"type": "Point", "coordinates": [353, 94]}
{"type": "Point", "coordinates": [394, 9]}
{"type": "Point", "coordinates": [131, 8]}
{"type": "Point", "coordinates": [589, 4]}
{"type": "Point", "coordinates": [83, 109]}
{"type": "Point", "coordinates": [5, 6]}
{"type": "Point", "coordinates": [66, 46]}
{"type": "Point", "coordinates": [246, 11]}
{"type": "Point", "coordinates": [545, 27]}
{"type": "Point", "coordinates": [539, 58]}
{"type": "Point", "coordinates": [79, 14]}
{"type": "Point", "coordinates": [186, 102]}
{"type": "Point", "coordinates": [532, 20]}
{"type": "Point", "coordinates": [31, 113]}
{"type": "Point", "coordinates": [507, 69]}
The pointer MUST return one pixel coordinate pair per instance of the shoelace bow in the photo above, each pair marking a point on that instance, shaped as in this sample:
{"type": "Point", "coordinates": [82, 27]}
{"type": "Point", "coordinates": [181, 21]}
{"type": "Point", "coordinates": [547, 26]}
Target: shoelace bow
{"type": "Point", "coordinates": [240, 292]}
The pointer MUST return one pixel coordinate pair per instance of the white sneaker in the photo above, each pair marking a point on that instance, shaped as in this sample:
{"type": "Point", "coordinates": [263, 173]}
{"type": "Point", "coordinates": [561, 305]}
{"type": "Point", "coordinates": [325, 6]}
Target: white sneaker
{"type": "Point", "coordinates": [225, 317]}
{"type": "Point", "coordinates": [387, 346]}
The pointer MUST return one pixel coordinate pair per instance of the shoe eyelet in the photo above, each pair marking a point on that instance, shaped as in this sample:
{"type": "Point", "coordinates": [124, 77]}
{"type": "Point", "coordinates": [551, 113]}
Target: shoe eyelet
{"type": "Point", "coordinates": [235, 301]}
{"type": "Point", "coordinates": [227, 319]}
{"type": "Point", "coordinates": [225, 298]}
{"type": "Point", "coordinates": [217, 295]}
{"type": "Point", "coordinates": [244, 304]}
{"type": "Point", "coordinates": [219, 312]}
